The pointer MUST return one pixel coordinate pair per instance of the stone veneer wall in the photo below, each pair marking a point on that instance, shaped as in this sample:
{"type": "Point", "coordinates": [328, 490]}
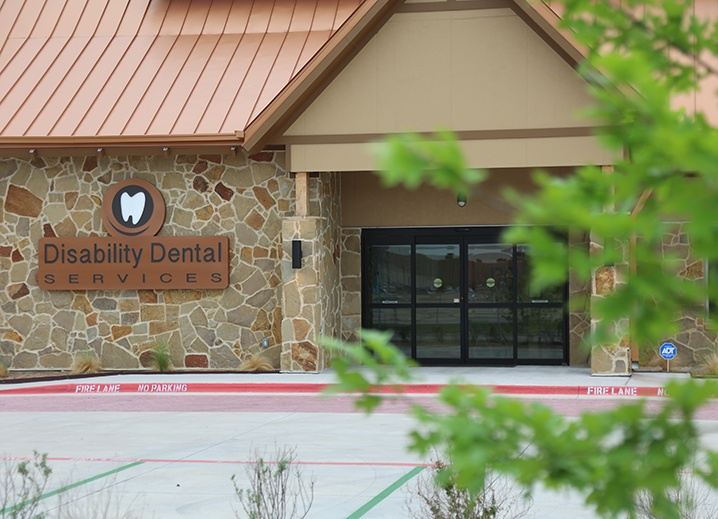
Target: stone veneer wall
{"type": "Point", "coordinates": [351, 283]}
{"type": "Point", "coordinates": [244, 198]}
{"type": "Point", "coordinates": [695, 340]}
{"type": "Point", "coordinates": [579, 313]}
{"type": "Point", "coordinates": [609, 359]}
{"type": "Point", "coordinates": [312, 292]}
{"type": "Point", "coordinates": [327, 194]}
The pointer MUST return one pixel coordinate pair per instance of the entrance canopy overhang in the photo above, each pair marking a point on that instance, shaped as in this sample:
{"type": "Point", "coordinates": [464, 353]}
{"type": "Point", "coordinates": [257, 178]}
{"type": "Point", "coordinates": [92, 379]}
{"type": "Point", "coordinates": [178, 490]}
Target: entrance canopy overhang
{"type": "Point", "coordinates": [545, 149]}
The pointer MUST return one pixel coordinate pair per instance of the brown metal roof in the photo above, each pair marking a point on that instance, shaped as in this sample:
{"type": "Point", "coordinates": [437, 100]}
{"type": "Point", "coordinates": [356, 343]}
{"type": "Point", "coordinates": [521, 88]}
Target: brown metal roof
{"type": "Point", "coordinates": [125, 71]}
{"type": "Point", "coordinates": [131, 74]}
{"type": "Point", "coordinates": [544, 17]}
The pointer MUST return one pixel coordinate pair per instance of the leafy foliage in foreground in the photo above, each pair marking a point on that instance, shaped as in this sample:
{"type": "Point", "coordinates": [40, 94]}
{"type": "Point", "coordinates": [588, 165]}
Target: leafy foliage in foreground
{"type": "Point", "coordinates": [640, 55]}
{"type": "Point", "coordinates": [694, 498]}
{"type": "Point", "coordinates": [613, 458]}
{"type": "Point", "coordinates": [385, 362]}
{"type": "Point", "coordinates": [410, 160]}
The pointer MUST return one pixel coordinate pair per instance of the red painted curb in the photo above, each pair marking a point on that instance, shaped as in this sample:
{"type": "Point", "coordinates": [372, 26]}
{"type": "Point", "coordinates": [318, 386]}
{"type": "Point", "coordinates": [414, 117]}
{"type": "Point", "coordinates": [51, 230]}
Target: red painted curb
{"type": "Point", "coordinates": [413, 389]}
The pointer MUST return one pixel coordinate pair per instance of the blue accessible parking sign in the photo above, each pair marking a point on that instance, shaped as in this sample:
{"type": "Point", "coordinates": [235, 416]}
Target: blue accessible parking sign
{"type": "Point", "coordinates": [668, 350]}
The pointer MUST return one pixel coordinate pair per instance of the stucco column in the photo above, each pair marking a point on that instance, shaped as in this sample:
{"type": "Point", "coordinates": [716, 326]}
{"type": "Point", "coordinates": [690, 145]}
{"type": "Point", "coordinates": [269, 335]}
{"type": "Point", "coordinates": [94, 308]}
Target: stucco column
{"type": "Point", "coordinates": [302, 302]}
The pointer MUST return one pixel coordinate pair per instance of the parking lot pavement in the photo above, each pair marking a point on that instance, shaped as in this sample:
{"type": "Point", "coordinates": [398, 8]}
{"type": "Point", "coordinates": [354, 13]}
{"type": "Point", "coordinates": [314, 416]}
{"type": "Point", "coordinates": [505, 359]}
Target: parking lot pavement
{"type": "Point", "coordinates": [172, 454]}
{"type": "Point", "coordinates": [181, 462]}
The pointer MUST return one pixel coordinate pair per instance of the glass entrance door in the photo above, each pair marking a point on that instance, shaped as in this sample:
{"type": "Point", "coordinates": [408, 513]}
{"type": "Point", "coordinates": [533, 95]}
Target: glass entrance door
{"type": "Point", "coordinates": [490, 309]}
{"type": "Point", "coordinates": [438, 295]}
{"type": "Point", "coordinates": [459, 296]}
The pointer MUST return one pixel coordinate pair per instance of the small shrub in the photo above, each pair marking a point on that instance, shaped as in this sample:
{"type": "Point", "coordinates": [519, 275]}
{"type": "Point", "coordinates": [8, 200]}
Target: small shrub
{"type": "Point", "coordinates": [24, 485]}
{"type": "Point", "coordinates": [256, 363]}
{"type": "Point", "coordinates": [277, 490]}
{"type": "Point", "coordinates": [22, 488]}
{"type": "Point", "coordinates": [694, 498]}
{"type": "Point", "coordinates": [708, 366]}
{"type": "Point", "coordinates": [436, 495]}
{"type": "Point", "coordinates": [4, 372]}
{"type": "Point", "coordinates": [160, 358]}
{"type": "Point", "coordinates": [86, 362]}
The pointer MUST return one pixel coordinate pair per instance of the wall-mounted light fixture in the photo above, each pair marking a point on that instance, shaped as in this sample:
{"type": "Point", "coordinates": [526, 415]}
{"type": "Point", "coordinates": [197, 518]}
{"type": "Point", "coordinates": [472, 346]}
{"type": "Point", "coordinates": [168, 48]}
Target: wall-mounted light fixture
{"type": "Point", "coordinates": [461, 199]}
{"type": "Point", "coordinates": [296, 254]}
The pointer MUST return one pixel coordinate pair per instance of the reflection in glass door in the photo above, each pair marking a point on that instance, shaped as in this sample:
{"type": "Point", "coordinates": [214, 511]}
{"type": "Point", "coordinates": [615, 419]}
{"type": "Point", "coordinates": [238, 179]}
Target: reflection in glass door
{"type": "Point", "coordinates": [389, 269]}
{"type": "Point", "coordinates": [540, 319]}
{"type": "Point", "coordinates": [490, 300]}
{"type": "Point", "coordinates": [460, 296]}
{"type": "Point", "coordinates": [438, 301]}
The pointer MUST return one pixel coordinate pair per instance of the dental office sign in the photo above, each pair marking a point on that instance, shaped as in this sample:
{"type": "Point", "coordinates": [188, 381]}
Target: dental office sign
{"type": "Point", "coordinates": [133, 257]}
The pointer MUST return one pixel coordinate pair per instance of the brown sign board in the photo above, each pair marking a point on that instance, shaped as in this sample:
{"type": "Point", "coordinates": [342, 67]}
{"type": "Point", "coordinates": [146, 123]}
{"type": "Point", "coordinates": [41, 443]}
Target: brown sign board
{"type": "Point", "coordinates": [142, 262]}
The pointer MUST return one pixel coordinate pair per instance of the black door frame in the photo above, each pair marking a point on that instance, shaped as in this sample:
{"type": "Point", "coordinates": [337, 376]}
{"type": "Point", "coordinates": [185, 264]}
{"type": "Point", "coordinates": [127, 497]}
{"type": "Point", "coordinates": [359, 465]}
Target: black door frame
{"type": "Point", "coordinates": [452, 235]}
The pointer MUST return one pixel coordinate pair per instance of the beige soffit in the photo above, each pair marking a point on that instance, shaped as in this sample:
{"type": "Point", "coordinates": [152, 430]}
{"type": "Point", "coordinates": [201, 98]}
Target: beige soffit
{"type": "Point", "coordinates": [77, 73]}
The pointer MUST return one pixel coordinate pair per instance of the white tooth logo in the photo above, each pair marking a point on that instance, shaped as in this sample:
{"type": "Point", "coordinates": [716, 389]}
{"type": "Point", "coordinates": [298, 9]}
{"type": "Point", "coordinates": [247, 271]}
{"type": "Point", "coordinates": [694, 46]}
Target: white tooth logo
{"type": "Point", "coordinates": [132, 207]}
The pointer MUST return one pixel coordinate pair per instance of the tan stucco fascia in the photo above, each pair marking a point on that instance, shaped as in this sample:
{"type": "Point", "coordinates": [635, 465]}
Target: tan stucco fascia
{"type": "Point", "coordinates": [285, 108]}
{"type": "Point", "coordinates": [483, 153]}
{"type": "Point", "coordinates": [465, 135]}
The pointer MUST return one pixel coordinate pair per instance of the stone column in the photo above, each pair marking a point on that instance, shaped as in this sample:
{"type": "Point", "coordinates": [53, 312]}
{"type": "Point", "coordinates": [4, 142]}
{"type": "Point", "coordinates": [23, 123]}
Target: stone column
{"type": "Point", "coordinates": [302, 302]}
{"type": "Point", "coordinates": [608, 359]}
{"type": "Point", "coordinates": [351, 284]}
{"type": "Point", "coordinates": [579, 316]}
{"type": "Point", "coordinates": [615, 358]}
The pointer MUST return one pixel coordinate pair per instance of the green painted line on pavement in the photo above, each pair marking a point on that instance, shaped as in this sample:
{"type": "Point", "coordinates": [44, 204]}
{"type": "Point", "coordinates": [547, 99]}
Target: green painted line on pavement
{"type": "Point", "coordinates": [386, 493]}
{"type": "Point", "coordinates": [60, 490]}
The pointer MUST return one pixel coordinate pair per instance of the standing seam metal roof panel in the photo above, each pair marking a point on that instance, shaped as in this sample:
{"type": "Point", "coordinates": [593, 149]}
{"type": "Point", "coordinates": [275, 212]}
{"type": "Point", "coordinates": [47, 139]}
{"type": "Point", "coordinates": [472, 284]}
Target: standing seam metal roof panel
{"type": "Point", "coordinates": [91, 68]}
